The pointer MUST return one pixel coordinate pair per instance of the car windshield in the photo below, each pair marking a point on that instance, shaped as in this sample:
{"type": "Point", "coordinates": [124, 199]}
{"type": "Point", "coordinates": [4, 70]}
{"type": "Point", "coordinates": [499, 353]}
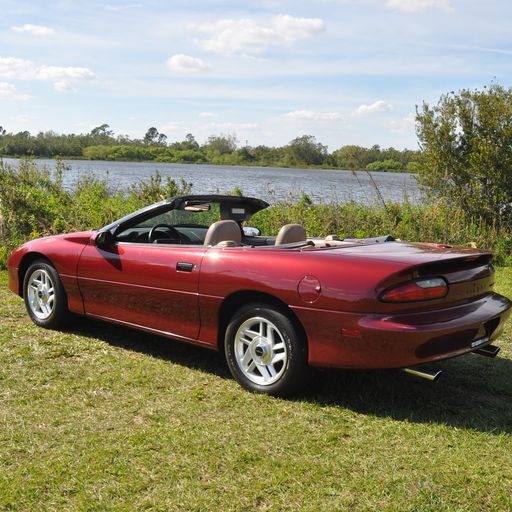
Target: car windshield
{"type": "Point", "coordinates": [177, 226]}
{"type": "Point", "coordinates": [195, 217]}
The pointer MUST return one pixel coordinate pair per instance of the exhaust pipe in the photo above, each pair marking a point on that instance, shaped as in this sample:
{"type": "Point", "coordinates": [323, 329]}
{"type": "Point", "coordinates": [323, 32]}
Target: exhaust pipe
{"type": "Point", "coordinates": [431, 375]}
{"type": "Point", "coordinates": [488, 351]}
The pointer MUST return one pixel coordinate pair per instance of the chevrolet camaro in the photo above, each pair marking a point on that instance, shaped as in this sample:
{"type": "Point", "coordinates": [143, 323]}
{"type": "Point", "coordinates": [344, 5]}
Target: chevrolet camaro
{"type": "Point", "coordinates": [189, 268]}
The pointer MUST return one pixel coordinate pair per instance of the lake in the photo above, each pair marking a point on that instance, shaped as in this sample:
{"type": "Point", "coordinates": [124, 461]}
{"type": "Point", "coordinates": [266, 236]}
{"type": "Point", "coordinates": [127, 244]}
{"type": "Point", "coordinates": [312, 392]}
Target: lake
{"type": "Point", "coordinates": [321, 185]}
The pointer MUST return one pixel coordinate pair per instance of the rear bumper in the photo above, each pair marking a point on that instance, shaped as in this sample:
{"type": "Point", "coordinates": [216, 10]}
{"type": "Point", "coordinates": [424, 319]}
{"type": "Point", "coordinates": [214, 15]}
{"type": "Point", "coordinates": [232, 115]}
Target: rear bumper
{"type": "Point", "coordinates": [349, 340]}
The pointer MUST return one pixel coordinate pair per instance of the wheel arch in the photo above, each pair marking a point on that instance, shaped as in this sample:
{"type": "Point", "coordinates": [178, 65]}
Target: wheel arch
{"type": "Point", "coordinates": [237, 300]}
{"type": "Point", "coordinates": [25, 263]}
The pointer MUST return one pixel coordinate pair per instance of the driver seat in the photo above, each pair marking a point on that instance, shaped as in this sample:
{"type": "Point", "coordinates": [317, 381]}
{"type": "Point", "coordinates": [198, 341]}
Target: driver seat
{"type": "Point", "coordinates": [222, 231]}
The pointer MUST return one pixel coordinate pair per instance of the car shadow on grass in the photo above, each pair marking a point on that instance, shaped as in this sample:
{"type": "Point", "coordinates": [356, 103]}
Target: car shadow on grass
{"type": "Point", "coordinates": [185, 354]}
{"type": "Point", "coordinates": [474, 392]}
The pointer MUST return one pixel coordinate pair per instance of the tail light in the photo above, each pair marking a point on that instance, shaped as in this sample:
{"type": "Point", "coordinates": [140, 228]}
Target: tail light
{"type": "Point", "coordinates": [418, 290]}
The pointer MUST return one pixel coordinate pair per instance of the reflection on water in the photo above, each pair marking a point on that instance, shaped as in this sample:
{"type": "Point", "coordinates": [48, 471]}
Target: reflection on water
{"type": "Point", "coordinates": [264, 182]}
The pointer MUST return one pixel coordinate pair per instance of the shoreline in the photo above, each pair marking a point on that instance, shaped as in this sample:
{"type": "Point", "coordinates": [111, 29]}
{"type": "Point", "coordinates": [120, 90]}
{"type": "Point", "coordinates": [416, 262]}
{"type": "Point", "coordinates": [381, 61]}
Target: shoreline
{"type": "Point", "coordinates": [216, 164]}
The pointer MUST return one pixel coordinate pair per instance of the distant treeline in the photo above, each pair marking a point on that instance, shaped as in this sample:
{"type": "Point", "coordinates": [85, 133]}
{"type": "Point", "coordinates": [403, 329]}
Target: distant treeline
{"type": "Point", "coordinates": [102, 144]}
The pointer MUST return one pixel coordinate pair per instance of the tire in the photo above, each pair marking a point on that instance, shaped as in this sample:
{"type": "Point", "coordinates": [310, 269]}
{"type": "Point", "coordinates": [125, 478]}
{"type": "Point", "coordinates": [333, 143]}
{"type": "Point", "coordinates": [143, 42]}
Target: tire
{"type": "Point", "coordinates": [265, 351]}
{"type": "Point", "coordinates": [45, 297]}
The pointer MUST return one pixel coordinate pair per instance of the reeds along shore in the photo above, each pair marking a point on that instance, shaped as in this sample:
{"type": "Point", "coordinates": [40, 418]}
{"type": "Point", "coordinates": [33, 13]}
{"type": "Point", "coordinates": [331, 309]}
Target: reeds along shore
{"type": "Point", "coordinates": [34, 202]}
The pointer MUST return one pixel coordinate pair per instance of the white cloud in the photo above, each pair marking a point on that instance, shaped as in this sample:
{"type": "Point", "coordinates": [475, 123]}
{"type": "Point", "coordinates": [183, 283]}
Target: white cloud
{"type": "Point", "coordinates": [8, 92]}
{"type": "Point", "coordinates": [6, 89]}
{"type": "Point", "coordinates": [246, 36]}
{"type": "Point", "coordinates": [308, 115]}
{"type": "Point", "coordinates": [20, 69]}
{"type": "Point", "coordinates": [35, 30]}
{"type": "Point", "coordinates": [418, 5]}
{"type": "Point", "coordinates": [63, 85]}
{"type": "Point", "coordinates": [291, 29]}
{"type": "Point", "coordinates": [403, 125]}
{"type": "Point", "coordinates": [377, 106]}
{"type": "Point", "coordinates": [181, 63]}
{"type": "Point", "coordinates": [206, 115]}
{"type": "Point", "coordinates": [122, 7]}
{"type": "Point", "coordinates": [57, 73]}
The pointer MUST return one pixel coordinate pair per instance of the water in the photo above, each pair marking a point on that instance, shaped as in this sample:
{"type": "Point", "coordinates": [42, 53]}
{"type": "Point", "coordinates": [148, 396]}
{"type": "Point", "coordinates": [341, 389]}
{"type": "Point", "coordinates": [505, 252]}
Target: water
{"type": "Point", "coordinates": [321, 185]}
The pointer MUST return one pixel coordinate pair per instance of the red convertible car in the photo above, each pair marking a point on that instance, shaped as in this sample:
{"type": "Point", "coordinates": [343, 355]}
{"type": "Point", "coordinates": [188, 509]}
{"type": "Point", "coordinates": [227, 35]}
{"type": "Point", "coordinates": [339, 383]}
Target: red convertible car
{"type": "Point", "coordinates": [189, 269]}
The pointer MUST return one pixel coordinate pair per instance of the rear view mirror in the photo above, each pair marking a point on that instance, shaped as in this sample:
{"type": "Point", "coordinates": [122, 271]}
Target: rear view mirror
{"type": "Point", "coordinates": [194, 206]}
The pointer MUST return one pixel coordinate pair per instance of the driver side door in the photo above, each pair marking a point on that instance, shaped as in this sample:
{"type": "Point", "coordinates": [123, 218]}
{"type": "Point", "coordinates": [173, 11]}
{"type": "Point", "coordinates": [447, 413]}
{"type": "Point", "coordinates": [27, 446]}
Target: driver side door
{"type": "Point", "coordinates": [153, 286]}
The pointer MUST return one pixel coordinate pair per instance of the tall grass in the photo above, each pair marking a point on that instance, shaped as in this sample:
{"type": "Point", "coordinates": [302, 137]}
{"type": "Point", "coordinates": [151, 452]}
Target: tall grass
{"type": "Point", "coordinates": [34, 202]}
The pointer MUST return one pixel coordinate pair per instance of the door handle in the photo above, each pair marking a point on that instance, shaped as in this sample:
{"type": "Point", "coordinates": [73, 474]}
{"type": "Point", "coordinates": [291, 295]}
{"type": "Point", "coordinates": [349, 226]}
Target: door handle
{"type": "Point", "coordinates": [183, 266]}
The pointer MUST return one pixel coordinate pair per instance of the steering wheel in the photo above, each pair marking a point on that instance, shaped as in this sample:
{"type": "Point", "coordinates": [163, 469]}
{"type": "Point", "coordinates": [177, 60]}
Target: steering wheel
{"type": "Point", "coordinates": [172, 233]}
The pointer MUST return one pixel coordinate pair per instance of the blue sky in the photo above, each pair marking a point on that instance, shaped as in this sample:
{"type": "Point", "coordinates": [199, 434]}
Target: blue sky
{"type": "Point", "coordinates": [345, 71]}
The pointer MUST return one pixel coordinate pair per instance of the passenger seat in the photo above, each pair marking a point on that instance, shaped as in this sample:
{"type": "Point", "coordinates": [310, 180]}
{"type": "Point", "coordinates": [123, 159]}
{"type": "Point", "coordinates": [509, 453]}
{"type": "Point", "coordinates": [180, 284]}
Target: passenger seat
{"type": "Point", "coordinates": [291, 233]}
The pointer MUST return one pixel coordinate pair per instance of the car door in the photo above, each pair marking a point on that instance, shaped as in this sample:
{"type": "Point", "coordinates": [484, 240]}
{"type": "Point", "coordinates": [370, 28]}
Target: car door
{"type": "Point", "coordinates": [153, 286]}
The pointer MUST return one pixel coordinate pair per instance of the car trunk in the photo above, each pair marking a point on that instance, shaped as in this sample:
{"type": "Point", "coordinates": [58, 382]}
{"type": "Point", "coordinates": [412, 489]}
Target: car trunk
{"type": "Point", "coordinates": [468, 272]}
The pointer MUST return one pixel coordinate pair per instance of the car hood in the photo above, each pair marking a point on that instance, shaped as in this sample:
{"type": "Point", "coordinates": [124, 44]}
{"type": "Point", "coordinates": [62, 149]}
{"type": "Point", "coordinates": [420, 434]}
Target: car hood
{"type": "Point", "coordinates": [80, 237]}
{"type": "Point", "coordinates": [39, 244]}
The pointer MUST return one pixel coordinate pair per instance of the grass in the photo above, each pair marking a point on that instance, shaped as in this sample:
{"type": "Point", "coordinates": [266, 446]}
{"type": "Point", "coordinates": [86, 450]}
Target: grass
{"type": "Point", "coordinates": [103, 418]}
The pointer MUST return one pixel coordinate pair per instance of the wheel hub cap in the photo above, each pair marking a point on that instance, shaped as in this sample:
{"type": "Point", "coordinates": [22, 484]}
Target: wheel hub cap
{"type": "Point", "coordinates": [260, 351]}
{"type": "Point", "coordinates": [41, 294]}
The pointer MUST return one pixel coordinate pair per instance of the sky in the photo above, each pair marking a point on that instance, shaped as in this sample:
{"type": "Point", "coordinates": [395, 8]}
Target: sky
{"type": "Point", "coordinates": [267, 71]}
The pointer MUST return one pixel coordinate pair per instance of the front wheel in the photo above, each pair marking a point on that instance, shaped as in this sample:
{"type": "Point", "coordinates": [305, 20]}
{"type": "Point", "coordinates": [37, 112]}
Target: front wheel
{"type": "Point", "coordinates": [265, 351]}
{"type": "Point", "coordinates": [45, 298]}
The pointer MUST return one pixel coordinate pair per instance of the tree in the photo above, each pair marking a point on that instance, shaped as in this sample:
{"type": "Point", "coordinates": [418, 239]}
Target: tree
{"type": "Point", "coordinates": [102, 131]}
{"type": "Point", "coordinates": [351, 157]}
{"type": "Point", "coordinates": [190, 142]}
{"type": "Point", "coordinates": [221, 144]}
{"type": "Point", "coordinates": [245, 154]}
{"type": "Point", "coordinates": [466, 159]}
{"type": "Point", "coordinates": [151, 135]}
{"type": "Point", "coordinates": [306, 150]}
{"type": "Point", "coordinates": [154, 138]}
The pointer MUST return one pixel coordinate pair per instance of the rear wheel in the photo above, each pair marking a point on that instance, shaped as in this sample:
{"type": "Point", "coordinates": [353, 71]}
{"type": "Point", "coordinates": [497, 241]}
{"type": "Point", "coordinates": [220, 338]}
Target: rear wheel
{"type": "Point", "coordinates": [265, 351]}
{"type": "Point", "coordinates": [45, 298]}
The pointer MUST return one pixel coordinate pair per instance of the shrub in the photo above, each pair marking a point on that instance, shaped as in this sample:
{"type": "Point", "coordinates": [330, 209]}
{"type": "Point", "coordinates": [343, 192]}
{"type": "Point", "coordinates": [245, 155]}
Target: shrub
{"type": "Point", "coordinates": [385, 165]}
{"type": "Point", "coordinates": [467, 152]}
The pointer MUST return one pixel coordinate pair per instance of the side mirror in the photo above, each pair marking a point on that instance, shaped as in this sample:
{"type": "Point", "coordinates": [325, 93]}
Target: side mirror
{"type": "Point", "coordinates": [251, 231]}
{"type": "Point", "coordinates": [104, 240]}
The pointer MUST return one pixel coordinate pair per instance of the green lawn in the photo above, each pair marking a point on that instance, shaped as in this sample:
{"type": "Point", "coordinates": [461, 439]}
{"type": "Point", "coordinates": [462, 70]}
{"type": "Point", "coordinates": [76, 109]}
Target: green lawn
{"type": "Point", "coordinates": [105, 418]}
